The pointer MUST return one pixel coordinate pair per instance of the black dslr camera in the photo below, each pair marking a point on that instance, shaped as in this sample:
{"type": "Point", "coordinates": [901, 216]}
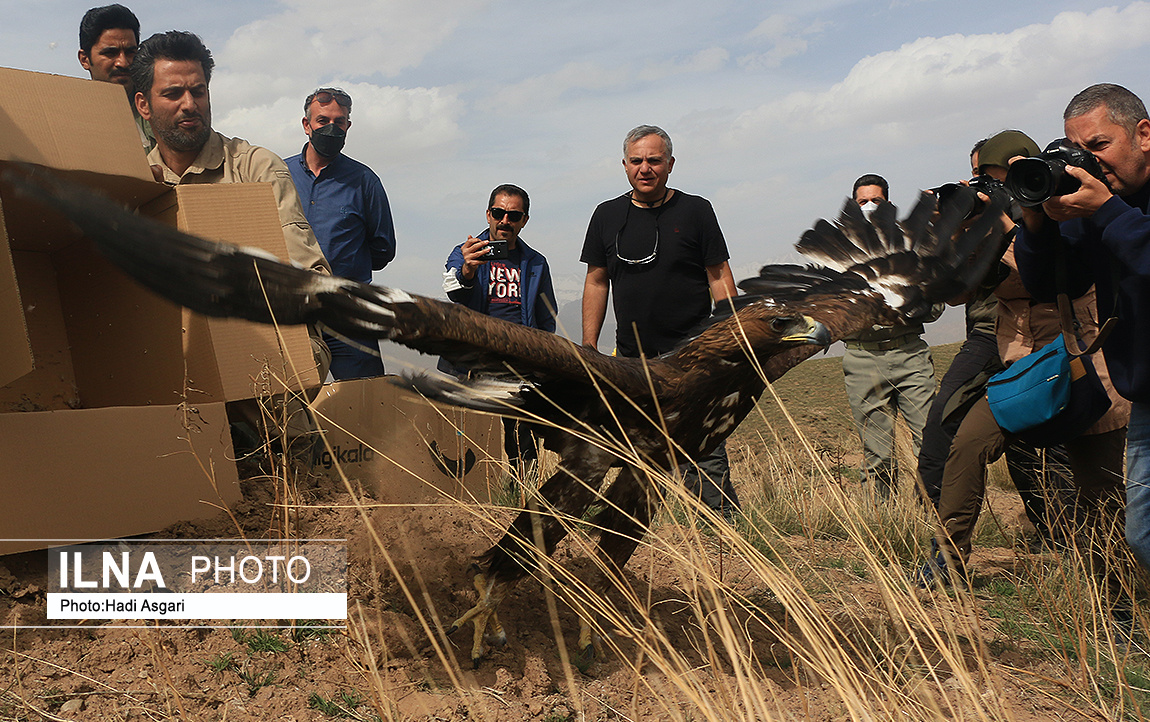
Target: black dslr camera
{"type": "Point", "coordinates": [1033, 181]}
{"type": "Point", "coordinates": [968, 194]}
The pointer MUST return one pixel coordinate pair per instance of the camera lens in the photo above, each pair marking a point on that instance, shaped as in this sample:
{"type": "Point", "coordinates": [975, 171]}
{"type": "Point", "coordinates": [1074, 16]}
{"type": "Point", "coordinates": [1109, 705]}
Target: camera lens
{"type": "Point", "coordinates": [1032, 180]}
{"type": "Point", "coordinates": [956, 195]}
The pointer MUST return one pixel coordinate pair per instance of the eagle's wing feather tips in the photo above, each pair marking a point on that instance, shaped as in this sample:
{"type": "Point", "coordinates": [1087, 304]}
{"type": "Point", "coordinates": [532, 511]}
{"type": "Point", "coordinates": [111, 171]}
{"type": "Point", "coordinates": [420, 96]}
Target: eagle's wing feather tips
{"type": "Point", "coordinates": [784, 281]}
{"type": "Point", "coordinates": [481, 394]}
{"type": "Point", "coordinates": [926, 259]}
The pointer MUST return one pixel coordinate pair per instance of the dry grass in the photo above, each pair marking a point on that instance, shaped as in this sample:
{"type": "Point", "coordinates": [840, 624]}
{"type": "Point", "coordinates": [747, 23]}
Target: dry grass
{"type": "Point", "coordinates": [822, 595]}
{"type": "Point", "coordinates": [800, 611]}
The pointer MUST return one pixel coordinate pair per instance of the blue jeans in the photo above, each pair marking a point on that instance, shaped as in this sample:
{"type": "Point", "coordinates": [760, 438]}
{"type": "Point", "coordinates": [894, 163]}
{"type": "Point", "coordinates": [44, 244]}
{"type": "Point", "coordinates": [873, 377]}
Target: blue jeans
{"type": "Point", "coordinates": [349, 362]}
{"type": "Point", "coordinates": [1138, 482]}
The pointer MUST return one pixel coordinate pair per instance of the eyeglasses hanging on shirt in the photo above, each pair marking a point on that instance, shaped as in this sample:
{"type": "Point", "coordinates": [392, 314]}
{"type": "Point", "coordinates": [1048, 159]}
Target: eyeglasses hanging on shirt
{"type": "Point", "coordinates": [654, 249]}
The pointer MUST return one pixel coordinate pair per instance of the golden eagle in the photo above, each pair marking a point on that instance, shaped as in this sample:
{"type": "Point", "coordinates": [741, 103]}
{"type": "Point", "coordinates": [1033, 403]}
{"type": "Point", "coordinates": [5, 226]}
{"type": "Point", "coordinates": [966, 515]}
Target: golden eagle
{"type": "Point", "coordinates": [595, 411]}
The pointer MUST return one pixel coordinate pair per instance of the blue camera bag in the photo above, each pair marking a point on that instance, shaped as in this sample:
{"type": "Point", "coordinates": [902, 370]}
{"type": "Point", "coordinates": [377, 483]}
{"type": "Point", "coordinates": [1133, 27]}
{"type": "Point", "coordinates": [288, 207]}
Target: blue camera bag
{"type": "Point", "coordinates": [1032, 390]}
{"type": "Point", "coordinates": [1049, 397]}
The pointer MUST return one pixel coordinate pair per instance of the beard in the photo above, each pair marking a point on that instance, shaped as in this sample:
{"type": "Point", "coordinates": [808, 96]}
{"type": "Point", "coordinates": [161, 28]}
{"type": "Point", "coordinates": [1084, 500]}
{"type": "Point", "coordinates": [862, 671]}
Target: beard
{"type": "Point", "coordinates": [182, 140]}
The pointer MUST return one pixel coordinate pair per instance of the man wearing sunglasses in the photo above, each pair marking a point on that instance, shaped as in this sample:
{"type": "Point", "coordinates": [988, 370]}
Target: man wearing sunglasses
{"type": "Point", "coordinates": [499, 275]}
{"type": "Point", "coordinates": [662, 252]}
{"type": "Point", "coordinates": [347, 208]}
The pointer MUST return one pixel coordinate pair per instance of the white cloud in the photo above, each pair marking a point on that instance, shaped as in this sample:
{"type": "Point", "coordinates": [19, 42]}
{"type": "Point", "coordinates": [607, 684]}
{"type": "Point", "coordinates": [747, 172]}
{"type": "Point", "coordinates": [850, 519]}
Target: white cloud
{"type": "Point", "coordinates": [956, 74]}
{"type": "Point", "coordinates": [543, 89]}
{"type": "Point", "coordinates": [401, 125]}
{"type": "Point", "coordinates": [361, 37]}
{"type": "Point", "coordinates": [593, 77]}
{"type": "Point", "coordinates": [782, 49]}
{"type": "Point", "coordinates": [707, 60]}
{"type": "Point", "coordinates": [784, 41]}
{"type": "Point", "coordinates": [268, 66]}
{"type": "Point", "coordinates": [773, 27]}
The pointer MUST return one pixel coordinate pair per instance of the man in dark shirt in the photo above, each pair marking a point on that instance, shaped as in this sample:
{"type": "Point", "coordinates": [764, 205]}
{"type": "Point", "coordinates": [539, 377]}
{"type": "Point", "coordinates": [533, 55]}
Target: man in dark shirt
{"type": "Point", "coordinates": [347, 208]}
{"type": "Point", "coordinates": [1106, 228]}
{"type": "Point", "coordinates": [662, 252]}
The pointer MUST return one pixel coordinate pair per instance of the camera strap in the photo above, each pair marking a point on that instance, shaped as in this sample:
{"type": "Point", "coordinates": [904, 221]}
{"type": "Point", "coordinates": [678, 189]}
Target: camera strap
{"type": "Point", "coordinates": [1066, 308]}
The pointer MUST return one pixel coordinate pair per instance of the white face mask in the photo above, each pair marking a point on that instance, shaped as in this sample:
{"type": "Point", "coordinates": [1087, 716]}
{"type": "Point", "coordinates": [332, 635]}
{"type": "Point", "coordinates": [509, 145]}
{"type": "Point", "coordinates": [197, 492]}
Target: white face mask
{"type": "Point", "coordinates": [868, 208]}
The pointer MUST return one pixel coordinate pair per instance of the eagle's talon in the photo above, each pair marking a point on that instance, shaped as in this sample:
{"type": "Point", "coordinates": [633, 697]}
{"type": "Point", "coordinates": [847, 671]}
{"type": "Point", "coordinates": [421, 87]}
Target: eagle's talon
{"type": "Point", "coordinates": [452, 629]}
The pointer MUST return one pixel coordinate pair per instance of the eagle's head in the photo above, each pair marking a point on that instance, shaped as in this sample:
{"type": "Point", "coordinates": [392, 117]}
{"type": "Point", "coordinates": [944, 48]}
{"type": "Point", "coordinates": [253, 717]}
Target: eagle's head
{"type": "Point", "coordinates": [770, 328]}
{"type": "Point", "coordinates": [762, 327]}
{"type": "Point", "coordinates": [799, 330]}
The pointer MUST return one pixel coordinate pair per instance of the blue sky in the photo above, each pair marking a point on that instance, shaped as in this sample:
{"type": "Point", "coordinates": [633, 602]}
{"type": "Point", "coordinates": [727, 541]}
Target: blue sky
{"type": "Point", "coordinates": [774, 108]}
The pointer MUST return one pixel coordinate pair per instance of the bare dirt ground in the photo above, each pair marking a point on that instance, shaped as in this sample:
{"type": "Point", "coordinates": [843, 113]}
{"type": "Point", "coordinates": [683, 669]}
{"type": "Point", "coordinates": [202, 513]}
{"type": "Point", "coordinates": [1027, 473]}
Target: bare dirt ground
{"type": "Point", "coordinates": [219, 674]}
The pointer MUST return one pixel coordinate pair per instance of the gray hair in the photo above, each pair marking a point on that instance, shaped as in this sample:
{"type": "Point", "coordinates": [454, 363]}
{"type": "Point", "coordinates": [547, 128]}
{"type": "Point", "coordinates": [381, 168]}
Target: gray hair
{"type": "Point", "coordinates": [643, 131]}
{"type": "Point", "coordinates": [339, 95]}
{"type": "Point", "coordinates": [1122, 107]}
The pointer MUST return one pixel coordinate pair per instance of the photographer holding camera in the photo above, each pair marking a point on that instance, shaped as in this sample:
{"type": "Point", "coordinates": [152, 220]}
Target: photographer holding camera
{"type": "Point", "coordinates": [499, 275]}
{"type": "Point", "coordinates": [1106, 229]}
{"type": "Point", "coordinates": [1059, 504]}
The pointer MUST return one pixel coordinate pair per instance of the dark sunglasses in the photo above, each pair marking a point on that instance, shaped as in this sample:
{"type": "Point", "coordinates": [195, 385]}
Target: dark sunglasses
{"type": "Point", "coordinates": [325, 96]}
{"type": "Point", "coordinates": [513, 216]}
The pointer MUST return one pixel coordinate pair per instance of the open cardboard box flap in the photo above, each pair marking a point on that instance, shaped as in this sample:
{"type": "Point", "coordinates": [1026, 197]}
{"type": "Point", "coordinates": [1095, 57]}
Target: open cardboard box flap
{"type": "Point", "coordinates": [106, 390]}
{"type": "Point", "coordinates": [84, 131]}
{"type": "Point", "coordinates": [231, 359]}
{"type": "Point", "coordinates": [91, 139]}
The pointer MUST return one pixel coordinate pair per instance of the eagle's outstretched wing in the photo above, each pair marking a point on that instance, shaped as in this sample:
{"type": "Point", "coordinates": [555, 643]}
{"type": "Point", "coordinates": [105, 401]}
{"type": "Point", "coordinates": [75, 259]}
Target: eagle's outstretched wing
{"type": "Point", "coordinates": [877, 270]}
{"type": "Point", "coordinates": [219, 279]}
{"type": "Point", "coordinates": [925, 259]}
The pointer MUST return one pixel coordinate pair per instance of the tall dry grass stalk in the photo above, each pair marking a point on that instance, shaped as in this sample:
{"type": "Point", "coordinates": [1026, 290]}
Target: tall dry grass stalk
{"type": "Point", "coordinates": [810, 587]}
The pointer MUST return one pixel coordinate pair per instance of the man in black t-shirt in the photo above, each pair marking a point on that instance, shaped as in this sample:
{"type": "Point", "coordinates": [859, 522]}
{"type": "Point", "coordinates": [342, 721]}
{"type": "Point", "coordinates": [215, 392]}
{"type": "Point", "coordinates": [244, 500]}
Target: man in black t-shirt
{"type": "Point", "coordinates": [662, 252]}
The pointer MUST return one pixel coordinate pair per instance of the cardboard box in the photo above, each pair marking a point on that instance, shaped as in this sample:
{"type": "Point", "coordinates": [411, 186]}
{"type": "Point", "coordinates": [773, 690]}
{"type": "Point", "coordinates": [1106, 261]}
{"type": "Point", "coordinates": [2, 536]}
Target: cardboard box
{"type": "Point", "coordinates": [404, 449]}
{"type": "Point", "coordinates": [111, 399]}
{"type": "Point", "coordinates": [110, 472]}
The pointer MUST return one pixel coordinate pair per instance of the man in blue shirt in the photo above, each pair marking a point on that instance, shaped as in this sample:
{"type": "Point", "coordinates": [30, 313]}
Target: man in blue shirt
{"type": "Point", "coordinates": [347, 208]}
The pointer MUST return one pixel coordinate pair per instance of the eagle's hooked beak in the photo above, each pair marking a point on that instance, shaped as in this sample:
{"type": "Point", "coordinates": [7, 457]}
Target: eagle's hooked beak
{"type": "Point", "coordinates": [810, 332]}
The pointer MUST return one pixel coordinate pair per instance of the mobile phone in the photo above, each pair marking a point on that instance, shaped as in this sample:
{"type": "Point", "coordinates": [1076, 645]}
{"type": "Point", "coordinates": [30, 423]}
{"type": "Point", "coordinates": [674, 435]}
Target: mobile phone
{"type": "Point", "coordinates": [497, 251]}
